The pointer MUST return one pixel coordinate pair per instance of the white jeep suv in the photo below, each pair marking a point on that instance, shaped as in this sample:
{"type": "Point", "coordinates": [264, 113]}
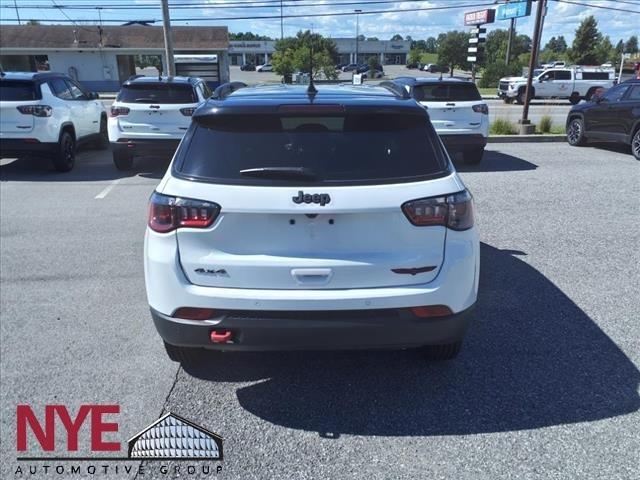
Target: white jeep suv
{"type": "Point", "coordinates": [296, 220]}
{"type": "Point", "coordinates": [151, 114]}
{"type": "Point", "coordinates": [457, 112]}
{"type": "Point", "coordinates": [48, 114]}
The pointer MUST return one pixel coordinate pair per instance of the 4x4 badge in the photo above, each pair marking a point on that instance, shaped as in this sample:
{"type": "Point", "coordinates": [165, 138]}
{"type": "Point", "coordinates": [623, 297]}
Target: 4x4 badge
{"type": "Point", "coordinates": [321, 198]}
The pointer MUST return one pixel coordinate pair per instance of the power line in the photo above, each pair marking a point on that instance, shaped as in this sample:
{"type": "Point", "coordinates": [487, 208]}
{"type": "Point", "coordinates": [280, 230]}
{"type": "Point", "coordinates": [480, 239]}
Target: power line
{"type": "Point", "coordinates": [304, 15]}
{"type": "Point", "coordinates": [597, 6]}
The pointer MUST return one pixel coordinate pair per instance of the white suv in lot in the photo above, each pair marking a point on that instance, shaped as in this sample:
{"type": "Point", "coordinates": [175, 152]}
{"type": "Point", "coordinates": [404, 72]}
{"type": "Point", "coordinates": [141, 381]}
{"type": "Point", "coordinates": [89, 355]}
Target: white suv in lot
{"type": "Point", "coordinates": [457, 112]}
{"type": "Point", "coordinates": [48, 114]}
{"type": "Point", "coordinates": [294, 220]}
{"type": "Point", "coordinates": [151, 114]}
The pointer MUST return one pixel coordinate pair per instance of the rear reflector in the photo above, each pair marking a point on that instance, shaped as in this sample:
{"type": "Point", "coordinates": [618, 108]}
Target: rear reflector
{"type": "Point", "coordinates": [193, 313]}
{"type": "Point", "coordinates": [481, 108]}
{"type": "Point", "coordinates": [429, 311]}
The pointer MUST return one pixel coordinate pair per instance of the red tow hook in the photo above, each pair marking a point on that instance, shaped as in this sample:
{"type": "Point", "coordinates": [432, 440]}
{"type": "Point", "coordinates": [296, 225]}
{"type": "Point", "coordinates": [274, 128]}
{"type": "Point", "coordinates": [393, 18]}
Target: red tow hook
{"type": "Point", "coordinates": [221, 336]}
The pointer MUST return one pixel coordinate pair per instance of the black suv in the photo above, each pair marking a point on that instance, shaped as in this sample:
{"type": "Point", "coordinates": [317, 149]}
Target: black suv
{"type": "Point", "coordinates": [612, 116]}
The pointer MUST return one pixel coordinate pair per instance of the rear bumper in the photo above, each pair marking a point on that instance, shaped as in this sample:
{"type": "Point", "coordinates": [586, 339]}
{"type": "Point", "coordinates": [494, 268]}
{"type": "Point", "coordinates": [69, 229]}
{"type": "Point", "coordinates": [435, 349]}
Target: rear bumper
{"type": "Point", "coordinates": [457, 143]}
{"type": "Point", "coordinates": [332, 330]}
{"type": "Point", "coordinates": [141, 147]}
{"type": "Point", "coordinates": [15, 147]}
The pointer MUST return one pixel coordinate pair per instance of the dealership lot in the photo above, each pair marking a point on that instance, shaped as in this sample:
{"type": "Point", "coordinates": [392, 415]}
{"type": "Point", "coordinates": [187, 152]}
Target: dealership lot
{"type": "Point", "coordinates": [545, 387]}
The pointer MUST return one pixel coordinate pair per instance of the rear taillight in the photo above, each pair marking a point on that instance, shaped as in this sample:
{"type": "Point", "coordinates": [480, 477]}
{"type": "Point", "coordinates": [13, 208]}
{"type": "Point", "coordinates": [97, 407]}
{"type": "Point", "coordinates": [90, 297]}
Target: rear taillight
{"type": "Point", "coordinates": [453, 211]}
{"type": "Point", "coordinates": [481, 108]}
{"type": "Point", "coordinates": [187, 111]}
{"type": "Point", "coordinates": [118, 111]}
{"type": "Point", "coordinates": [168, 213]}
{"type": "Point", "coordinates": [36, 110]}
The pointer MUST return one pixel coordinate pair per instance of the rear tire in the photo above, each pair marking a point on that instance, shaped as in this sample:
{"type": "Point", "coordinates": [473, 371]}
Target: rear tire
{"type": "Point", "coordinates": [575, 133]}
{"type": "Point", "coordinates": [187, 357]}
{"type": "Point", "coordinates": [574, 99]}
{"type": "Point", "coordinates": [522, 94]}
{"type": "Point", "coordinates": [635, 144]}
{"type": "Point", "coordinates": [473, 157]}
{"type": "Point", "coordinates": [441, 352]}
{"type": "Point", "coordinates": [102, 142]}
{"type": "Point", "coordinates": [122, 160]}
{"type": "Point", "coordinates": [65, 158]}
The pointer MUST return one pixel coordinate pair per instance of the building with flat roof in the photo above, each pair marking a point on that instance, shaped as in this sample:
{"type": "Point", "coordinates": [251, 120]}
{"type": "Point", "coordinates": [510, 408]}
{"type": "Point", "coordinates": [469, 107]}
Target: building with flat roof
{"type": "Point", "coordinates": [388, 52]}
{"type": "Point", "coordinates": [104, 57]}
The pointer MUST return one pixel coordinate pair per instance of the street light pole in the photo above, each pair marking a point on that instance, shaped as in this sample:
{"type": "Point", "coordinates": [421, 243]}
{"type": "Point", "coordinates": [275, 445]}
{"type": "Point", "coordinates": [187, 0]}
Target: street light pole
{"type": "Point", "coordinates": [357, 34]}
{"type": "Point", "coordinates": [168, 42]}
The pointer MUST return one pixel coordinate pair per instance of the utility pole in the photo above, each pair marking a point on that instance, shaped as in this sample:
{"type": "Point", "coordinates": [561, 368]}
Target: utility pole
{"type": "Point", "coordinates": [17, 14]}
{"type": "Point", "coordinates": [357, 34]}
{"type": "Point", "coordinates": [512, 28]}
{"type": "Point", "coordinates": [525, 124]}
{"type": "Point", "coordinates": [168, 42]}
{"type": "Point", "coordinates": [281, 22]}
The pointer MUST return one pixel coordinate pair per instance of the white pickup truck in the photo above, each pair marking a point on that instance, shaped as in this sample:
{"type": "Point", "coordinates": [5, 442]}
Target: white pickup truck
{"type": "Point", "coordinates": [572, 83]}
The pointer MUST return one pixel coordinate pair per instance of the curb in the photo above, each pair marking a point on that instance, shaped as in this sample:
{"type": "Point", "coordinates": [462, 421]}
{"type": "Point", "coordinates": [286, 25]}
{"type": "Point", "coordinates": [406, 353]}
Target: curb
{"type": "Point", "coordinates": [527, 138]}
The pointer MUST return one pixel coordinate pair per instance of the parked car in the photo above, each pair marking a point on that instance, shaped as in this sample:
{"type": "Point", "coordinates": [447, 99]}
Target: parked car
{"type": "Point", "coordinates": [364, 68]}
{"type": "Point", "coordinates": [433, 68]}
{"type": "Point", "coordinates": [247, 67]}
{"type": "Point", "coordinates": [413, 65]}
{"type": "Point", "coordinates": [279, 229]}
{"type": "Point", "coordinates": [612, 116]}
{"type": "Point", "coordinates": [573, 83]}
{"type": "Point", "coordinates": [266, 67]}
{"type": "Point", "coordinates": [456, 110]}
{"type": "Point", "coordinates": [340, 66]}
{"type": "Point", "coordinates": [49, 114]}
{"type": "Point", "coordinates": [151, 114]}
{"type": "Point", "coordinates": [350, 67]}
{"type": "Point", "coordinates": [372, 74]}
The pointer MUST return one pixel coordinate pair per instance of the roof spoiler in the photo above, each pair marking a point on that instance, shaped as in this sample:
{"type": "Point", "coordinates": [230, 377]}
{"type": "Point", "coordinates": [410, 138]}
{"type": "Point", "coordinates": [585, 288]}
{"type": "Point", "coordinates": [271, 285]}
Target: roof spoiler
{"type": "Point", "coordinates": [226, 89]}
{"type": "Point", "coordinates": [398, 90]}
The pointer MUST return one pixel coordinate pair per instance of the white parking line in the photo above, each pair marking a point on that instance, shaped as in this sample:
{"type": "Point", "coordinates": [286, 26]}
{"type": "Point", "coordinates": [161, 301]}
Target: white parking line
{"type": "Point", "coordinates": [107, 189]}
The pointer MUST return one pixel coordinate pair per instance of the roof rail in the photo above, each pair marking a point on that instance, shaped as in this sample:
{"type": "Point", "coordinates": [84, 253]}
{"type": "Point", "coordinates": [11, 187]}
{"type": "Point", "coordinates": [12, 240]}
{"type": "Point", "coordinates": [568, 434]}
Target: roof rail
{"type": "Point", "coordinates": [395, 88]}
{"type": "Point", "coordinates": [226, 89]}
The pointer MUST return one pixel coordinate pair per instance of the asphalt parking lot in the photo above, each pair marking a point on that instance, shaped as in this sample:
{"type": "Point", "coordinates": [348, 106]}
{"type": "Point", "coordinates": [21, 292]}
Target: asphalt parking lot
{"type": "Point", "coordinates": [546, 385]}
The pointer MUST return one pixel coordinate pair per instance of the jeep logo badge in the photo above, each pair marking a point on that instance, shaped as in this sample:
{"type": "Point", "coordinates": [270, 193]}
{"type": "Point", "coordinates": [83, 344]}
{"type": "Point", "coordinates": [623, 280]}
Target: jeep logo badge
{"type": "Point", "coordinates": [321, 198]}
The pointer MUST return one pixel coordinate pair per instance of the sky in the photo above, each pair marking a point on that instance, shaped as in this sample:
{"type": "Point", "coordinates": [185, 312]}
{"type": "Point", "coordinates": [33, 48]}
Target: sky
{"type": "Point", "coordinates": [562, 17]}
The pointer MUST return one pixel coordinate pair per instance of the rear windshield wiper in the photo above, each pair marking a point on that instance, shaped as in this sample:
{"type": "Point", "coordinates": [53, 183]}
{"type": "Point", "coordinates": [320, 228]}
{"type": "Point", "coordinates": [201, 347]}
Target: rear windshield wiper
{"type": "Point", "coordinates": [280, 172]}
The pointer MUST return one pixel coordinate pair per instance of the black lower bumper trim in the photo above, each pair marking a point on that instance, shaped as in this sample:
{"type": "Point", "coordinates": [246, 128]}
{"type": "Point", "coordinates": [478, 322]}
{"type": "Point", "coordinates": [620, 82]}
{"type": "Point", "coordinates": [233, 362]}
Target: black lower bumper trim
{"type": "Point", "coordinates": [455, 143]}
{"type": "Point", "coordinates": [16, 147]}
{"type": "Point", "coordinates": [315, 331]}
{"type": "Point", "coordinates": [146, 147]}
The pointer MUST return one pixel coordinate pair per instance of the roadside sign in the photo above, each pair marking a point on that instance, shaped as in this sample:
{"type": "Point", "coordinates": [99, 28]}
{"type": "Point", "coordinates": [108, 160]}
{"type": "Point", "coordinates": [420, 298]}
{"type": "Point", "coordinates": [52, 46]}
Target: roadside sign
{"type": "Point", "coordinates": [477, 40]}
{"type": "Point", "coordinates": [479, 17]}
{"type": "Point", "coordinates": [514, 9]}
{"type": "Point", "coordinates": [472, 49]}
{"type": "Point", "coordinates": [477, 31]}
{"type": "Point", "coordinates": [472, 59]}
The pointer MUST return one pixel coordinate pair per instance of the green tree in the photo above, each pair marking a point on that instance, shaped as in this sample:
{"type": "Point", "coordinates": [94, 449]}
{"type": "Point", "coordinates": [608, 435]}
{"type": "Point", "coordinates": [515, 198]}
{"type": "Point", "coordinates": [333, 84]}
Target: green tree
{"type": "Point", "coordinates": [294, 53]}
{"type": "Point", "coordinates": [452, 49]}
{"type": "Point", "coordinates": [33, 22]}
{"type": "Point", "coordinates": [585, 44]}
{"type": "Point", "coordinates": [497, 41]}
{"type": "Point", "coordinates": [605, 51]}
{"type": "Point", "coordinates": [414, 55]}
{"type": "Point", "coordinates": [373, 39]}
{"type": "Point", "coordinates": [561, 44]}
{"type": "Point", "coordinates": [431, 45]}
{"type": "Point", "coordinates": [632, 45]}
{"type": "Point", "coordinates": [494, 71]}
{"type": "Point", "coordinates": [247, 36]}
{"type": "Point", "coordinates": [397, 38]}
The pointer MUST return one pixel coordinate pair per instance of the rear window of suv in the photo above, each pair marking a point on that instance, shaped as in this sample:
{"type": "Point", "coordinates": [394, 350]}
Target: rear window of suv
{"type": "Point", "coordinates": [157, 93]}
{"type": "Point", "coordinates": [333, 149]}
{"type": "Point", "coordinates": [19, 91]}
{"type": "Point", "coordinates": [446, 92]}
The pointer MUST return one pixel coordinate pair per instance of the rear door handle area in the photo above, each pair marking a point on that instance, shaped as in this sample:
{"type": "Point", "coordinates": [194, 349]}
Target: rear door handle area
{"type": "Point", "coordinates": [312, 276]}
